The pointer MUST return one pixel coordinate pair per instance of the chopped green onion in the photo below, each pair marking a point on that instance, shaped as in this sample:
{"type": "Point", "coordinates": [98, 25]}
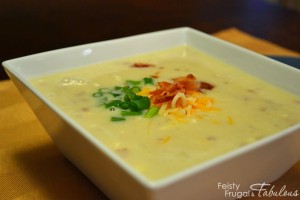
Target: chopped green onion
{"type": "Point", "coordinates": [125, 89]}
{"type": "Point", "coordinates": [133, 106]}
{"type": "Point", "coordinates": [142, 103]}
{"type": "Point", "coordinates": [115, 93]}
{"type": "Point", "coordinates": [126, 99]}
{"type": "Point", "coordinates": [151, 112]}
{"type": "Point", "coordinates": [129, 113]}
{"type": "Point", "coordinates": [113, 103]}
{"type": "Point", "coordinates": [97, 94]}
{"type": "Point", "coordinates": [131, 82]}
{"type": "Point", "coordinates": [108, 96]}
{"type": "Point", "coordinates": [135, 89]}
{"type": "Point", "coordinates": [148, 80]}
{"type": "Point", "coordinates": [118, 87]}
{"type": "Point", "coordinates": [104, 90]}
{"type": "Point", "coordinates": [129, 96]}
{"type": "Point", "coordinates": [117, 119]}
{"type": "Point", "coordinates": [124, 105]}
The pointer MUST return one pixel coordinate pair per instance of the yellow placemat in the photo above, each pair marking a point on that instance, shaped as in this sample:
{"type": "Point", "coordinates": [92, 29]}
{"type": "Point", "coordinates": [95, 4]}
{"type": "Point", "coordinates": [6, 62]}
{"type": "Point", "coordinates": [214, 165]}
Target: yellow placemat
{"type": "Point", "coordinates": [31, 167]}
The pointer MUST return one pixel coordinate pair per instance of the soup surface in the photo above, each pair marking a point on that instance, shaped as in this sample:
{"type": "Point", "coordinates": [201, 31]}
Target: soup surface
{"type": "Point", "coordinates": [200, 108]}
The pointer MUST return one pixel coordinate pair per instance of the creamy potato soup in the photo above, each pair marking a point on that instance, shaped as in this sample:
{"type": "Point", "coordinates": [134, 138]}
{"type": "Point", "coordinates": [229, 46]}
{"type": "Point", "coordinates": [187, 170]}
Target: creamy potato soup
{"type": "Point", "coordinates": [166, 111]}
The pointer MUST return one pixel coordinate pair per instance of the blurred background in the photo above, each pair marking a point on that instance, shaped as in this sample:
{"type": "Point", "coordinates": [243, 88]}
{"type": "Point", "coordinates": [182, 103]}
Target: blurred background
{"type": "Point", "coordinates": [33, 26]}
{"type": "Point", "coordinates": [291, 4]}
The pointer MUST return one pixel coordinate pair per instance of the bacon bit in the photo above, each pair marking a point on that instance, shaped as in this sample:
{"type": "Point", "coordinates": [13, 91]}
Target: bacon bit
{"type": "Point", "coordinates": [155, 75]}
{"type": "Point", "coordinates": [142, 65]}
{"type": "Point", "coordinates": [206, 86]}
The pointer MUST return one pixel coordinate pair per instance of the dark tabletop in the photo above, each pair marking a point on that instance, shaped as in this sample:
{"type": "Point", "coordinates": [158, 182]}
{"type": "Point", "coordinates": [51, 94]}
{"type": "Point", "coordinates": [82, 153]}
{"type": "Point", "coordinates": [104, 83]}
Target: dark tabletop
{"type": "Point", "coordinates": [33, 26]}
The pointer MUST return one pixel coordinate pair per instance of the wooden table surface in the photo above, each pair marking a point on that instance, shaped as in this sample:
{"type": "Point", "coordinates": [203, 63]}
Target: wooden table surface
{"type": "Point", "coordinates": [34, 26]}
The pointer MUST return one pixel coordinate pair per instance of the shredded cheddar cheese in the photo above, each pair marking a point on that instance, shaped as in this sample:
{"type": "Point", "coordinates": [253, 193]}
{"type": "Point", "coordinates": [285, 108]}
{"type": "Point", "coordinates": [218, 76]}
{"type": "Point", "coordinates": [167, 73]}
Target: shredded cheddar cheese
{"type": "Point", "coordinates": [144, 92]}
{"type": "Point", "coordinates": [176, 100]}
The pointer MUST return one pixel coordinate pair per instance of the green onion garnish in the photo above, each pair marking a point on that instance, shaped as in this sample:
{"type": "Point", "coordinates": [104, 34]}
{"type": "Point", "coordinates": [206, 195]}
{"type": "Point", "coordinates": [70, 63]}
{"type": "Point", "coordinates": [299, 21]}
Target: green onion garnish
{"type": "Point", "coordinates": [130, 96]}
{"type": "Point", "coordinates": [135, 89]}
{"type": "Point", "coordinates": [151, 112]}
{"type": "Point", "coordinates": [130, 113]}
{"type": "Point", "coordinates": [118, 88]}
{"type": "Point", "coordinates": [131, 82]}
{"type": "Point", "coordinates": [148, 80]}
{"type": "Point", "coordinates": [142, 103]}
{"type": "Point", "coordinates": [125, 99]}
{"type": "Point", "coordinates": [116, 119]}
{"type": "Point", "coordinates": [113, 103]}
{"type": "Point", "coordinates": [124, 105]}
{"type": "Point", "coordinates": [97, 94]}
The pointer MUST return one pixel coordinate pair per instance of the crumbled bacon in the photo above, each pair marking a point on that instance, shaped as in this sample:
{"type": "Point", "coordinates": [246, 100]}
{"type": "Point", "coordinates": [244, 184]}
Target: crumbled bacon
{"type": "Point", "coordinates": [206, 86]}
{"type": "Point", "coordinates": [142, 65]}
{"type": "Point", "coordinates": [155, 75]}
{"type": "Point", "coordinates": [166, 91]}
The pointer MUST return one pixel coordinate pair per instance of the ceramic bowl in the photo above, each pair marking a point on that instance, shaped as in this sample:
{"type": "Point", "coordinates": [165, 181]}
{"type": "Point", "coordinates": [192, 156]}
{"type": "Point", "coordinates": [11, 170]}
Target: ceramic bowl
{"type": "Point", "coordinates": [259, 162]}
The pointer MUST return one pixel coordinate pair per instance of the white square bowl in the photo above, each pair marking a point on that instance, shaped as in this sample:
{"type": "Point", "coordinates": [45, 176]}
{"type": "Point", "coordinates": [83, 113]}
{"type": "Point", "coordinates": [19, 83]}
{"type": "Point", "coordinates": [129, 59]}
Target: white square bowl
{"type": "Point", "coordinates": [262, 161]}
